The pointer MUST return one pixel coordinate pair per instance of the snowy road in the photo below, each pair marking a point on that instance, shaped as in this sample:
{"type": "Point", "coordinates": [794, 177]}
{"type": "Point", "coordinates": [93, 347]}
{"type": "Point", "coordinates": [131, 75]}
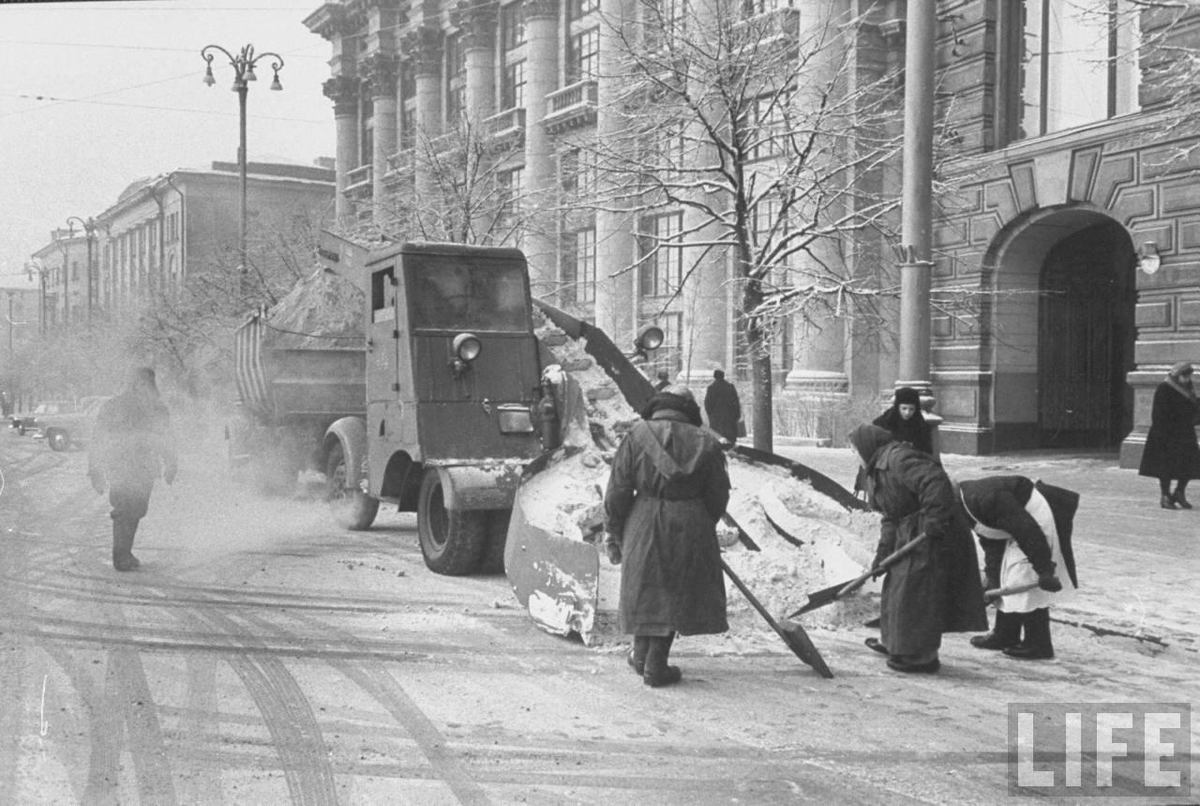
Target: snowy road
{"type": "Point", "coordinates": [262, 656]}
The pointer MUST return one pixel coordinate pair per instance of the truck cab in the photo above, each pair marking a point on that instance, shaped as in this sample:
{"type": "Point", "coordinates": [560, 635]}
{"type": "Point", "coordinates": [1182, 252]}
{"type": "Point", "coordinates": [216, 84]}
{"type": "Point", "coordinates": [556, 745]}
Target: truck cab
{"type": "Point", "coordinates": [452, 388]}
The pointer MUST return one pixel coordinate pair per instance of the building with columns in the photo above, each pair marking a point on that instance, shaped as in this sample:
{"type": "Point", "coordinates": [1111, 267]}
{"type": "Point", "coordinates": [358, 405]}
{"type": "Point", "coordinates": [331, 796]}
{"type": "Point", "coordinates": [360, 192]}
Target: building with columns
{"type": "Point", "coordinates": [1068, 216]}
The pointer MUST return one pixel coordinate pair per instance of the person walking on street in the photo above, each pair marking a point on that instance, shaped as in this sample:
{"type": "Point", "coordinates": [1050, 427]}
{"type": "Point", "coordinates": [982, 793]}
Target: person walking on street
{"type": "Point", "coordinates": [131, 446]}
{"type": "Point", "coordinates": [1024, 529]}
{"type": "Point", "coordinates": [723, 407]}
{"type": "Point", "coordinates": [906, 422]}
{"type": "Point", "coordinates": [663, 380]}
{"type": "Point", "coordinates": [934, 588]}
{"type": "Point", "coordinates": [1171, 451]}
{"type": "Point", "coordinates": [668, 488]}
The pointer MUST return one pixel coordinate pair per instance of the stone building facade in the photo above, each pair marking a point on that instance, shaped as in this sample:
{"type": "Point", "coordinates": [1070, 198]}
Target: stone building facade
{"type": "Point", "coordinates": [1066, 218]}
{"type": "Point", "coordinates": [165, 228]}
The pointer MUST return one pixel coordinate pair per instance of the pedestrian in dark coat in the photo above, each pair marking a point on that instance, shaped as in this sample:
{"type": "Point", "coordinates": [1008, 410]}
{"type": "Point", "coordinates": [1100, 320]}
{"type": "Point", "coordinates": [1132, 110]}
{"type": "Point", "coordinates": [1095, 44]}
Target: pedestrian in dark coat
{"type": "Point", "coordinates": [132, 445]}
{"type": "Point", "coordinates": [1018, 532]}
{"type": "Point", "coordinates": [906, 422]}
{"type": "Point", "coordinates": [668, 488]}
{"type": "Point", "coordinates": [723, 407]}
{"type": "Point", "coordinates": [663, 380]}
{"type": "Point", "coordinates": [1171, 450]}
{"type": "Point", "coordinates": [935, 587]}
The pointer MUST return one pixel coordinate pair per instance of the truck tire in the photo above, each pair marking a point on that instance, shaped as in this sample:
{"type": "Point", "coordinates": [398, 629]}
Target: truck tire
{"type": "Point", "coordinates": [452, 540]}
{"type": "Point", "coordinates": [497, 535]}
{"type": "Point", "coordinates": [351, 508]}
{"type": "Point", "coordinates": [57, 439]}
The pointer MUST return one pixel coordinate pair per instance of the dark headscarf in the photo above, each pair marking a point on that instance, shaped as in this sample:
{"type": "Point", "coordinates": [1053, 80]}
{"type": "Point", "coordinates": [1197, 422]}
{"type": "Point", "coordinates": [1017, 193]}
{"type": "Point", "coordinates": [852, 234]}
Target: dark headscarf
{"type": "Point", "coordinates": [914, 430]}
{"type": "Point", "coordinates": [868, 439]}
{"type": "Point", "coordinates": [683, 403]}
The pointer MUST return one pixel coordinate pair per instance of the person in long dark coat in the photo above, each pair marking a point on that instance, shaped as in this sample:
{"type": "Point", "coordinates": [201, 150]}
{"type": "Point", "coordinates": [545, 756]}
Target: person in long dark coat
{"type": "Point", "coordinates": [668, 488]}
{"type": "Point", "coordinates": [132, 445]}
{"type": "Point", "coordinates": [723, 407]}
{"type": "Point", "coordinates": [1171, 451]}
{"type": "Point", "coordinates": [906, 422]}
{"type": "Point", "coordinates": [1018, 530]}
{"type": "Point", "coordinates": [935, 587]}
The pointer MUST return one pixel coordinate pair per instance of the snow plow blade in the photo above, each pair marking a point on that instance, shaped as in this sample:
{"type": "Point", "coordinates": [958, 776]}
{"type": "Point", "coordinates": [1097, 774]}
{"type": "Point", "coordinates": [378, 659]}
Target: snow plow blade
{"type": "Point", "coordinates": [554, 577]}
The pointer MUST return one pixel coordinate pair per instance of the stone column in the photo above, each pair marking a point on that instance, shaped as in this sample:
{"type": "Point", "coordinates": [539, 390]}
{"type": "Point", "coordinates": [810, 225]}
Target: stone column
{"type": "Point", "coordinates": [424, 49]}
{"type": "Point", "coordinates": [477, 24]}
{"type": "Point", "coordinates": [616, 243]}
{"type": "Point", "coordinates": [538, 210]}
{"type": "Point", "coordinates": [343, 91]}
{"type": "Point", "coordinates": [380, 71]}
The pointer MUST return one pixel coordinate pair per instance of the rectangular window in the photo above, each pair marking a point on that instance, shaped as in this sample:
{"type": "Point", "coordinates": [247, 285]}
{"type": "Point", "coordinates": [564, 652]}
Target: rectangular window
{"type": "Point", "coordinates": [662, 255]}
{"type": "Point", "coordinates": [1067, 64]}
{"type": "Point", "coordinates": [769, 126]}
{"type": "Point", "coordinates": [512, 88]}
{"type": "Point", "coordinates": [579, 266]}
{"type": "Point", "coordinates": [577, 172]}
{"type": "Point", "coordinates": [512, 26]}
{"type": "Point", "coordinates": [510, 191]}
{"type": "Point", "coordinates": [584, 62]}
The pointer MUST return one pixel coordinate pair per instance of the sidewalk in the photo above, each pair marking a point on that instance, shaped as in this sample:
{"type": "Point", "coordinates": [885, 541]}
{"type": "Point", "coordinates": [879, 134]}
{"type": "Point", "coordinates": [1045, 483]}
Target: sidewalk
{"type": "Point", "coordinates": [1138, 564]}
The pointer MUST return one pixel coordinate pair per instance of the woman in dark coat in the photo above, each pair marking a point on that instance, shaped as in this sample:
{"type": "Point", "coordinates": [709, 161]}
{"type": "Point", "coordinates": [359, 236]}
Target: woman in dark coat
{"type": "Point", "coordinates": [935, 587]}
{"type": "Point", "coordinates": [906, 422]}
{"type": "Point", "coordinates": [1171, 450]}
{"type": "Point", "coordinates": [668, 488]}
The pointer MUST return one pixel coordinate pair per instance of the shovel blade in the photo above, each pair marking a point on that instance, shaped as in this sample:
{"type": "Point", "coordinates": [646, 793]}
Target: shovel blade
{"type": "Point", "coordinates": [821, 598]}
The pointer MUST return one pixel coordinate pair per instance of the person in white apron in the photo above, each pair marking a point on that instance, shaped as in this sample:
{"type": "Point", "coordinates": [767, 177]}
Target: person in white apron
{"type": "Point", "coordinates": [1022, 547]}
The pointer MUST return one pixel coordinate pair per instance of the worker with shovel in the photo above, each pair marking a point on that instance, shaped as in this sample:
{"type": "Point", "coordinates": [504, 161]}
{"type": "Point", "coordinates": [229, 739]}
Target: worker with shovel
{"type": "Point", "coordinates": [931, 583]}
{"type": "Point", "coordinates": [1024, 529]}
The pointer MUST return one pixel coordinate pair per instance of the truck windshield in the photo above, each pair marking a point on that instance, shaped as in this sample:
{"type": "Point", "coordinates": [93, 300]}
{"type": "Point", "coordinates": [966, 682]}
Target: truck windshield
{"type": "Point", "coordinates": [453, 293]}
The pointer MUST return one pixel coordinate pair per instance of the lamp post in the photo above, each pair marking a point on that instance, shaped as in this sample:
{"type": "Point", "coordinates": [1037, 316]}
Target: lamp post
{"type": "Point", "coordinates": [89, 228]}
{"type": "Point", "coordinates": [243, 74]}
{"type": "Point", "coordinates": [36, 266]}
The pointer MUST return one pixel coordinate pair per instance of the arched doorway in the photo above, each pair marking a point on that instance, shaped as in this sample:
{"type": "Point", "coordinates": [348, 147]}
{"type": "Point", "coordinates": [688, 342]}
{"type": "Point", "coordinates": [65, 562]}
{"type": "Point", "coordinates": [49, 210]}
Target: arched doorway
{"type": "Point", "coordinates": [1086, 335]}
{"type": "Point", "coordinates": [1057, 334]}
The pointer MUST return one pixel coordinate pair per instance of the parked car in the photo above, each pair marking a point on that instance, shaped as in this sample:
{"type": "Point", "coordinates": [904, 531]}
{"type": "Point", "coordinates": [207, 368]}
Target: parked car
{"type": "Point", "coordinates": [64, 428]}
{"type": "Point", "coordinates": [29, 422]}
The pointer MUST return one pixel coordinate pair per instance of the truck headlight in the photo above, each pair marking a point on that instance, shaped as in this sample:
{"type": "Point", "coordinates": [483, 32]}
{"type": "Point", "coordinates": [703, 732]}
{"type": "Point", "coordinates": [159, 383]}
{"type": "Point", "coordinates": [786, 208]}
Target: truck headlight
{"type": "Point", "coordinates": [515, 419]}
{"type": "Point", "coordinates": [467, 346]}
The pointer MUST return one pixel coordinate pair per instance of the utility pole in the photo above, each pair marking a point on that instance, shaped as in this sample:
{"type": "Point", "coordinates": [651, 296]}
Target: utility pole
{"type": "Point", "coordinates": [916, 262]}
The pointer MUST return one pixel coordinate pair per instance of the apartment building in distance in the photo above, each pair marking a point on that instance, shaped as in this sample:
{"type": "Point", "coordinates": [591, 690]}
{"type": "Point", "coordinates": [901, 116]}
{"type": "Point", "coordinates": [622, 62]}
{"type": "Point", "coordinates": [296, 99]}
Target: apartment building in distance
{"type": "Point", "coordinates": [165, 228]}
{"type": "Point", "coordinates": [1072, 209]}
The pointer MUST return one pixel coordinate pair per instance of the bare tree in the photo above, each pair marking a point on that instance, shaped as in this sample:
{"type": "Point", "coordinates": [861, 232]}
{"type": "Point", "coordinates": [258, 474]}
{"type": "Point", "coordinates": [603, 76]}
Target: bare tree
{"type": "Point", "coordinates": [766, 128]}
{"type": "Point", "coordinates": [463, 185]}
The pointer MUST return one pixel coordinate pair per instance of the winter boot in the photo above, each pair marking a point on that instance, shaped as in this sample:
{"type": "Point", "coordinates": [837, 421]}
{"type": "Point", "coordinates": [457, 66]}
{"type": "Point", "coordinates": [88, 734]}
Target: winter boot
{"type": "Point", "coordinates": [1005, 634]}
{"type": "Point", "coordinates": [1037, 644]}
{"type": "Point", "coordinates": [658, 673]}
{"type": "Point", "coordinates": [637, 654]}
{"type": "Point", "coordinates": [122, 553]}
{"type": "Point", "coordinates": [1179, 499]}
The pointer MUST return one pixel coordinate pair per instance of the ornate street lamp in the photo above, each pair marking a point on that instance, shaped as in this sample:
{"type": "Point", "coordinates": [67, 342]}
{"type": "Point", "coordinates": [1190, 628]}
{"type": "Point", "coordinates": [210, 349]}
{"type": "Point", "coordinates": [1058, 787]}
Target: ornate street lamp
{"type": "Point", "coordinates": [89, 228]}
{"type": "Point", "coordinates": [243, 73]}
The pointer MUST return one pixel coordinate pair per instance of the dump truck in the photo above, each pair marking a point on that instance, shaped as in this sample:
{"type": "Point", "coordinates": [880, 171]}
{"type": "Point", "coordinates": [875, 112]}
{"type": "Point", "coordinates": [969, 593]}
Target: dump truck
{"type": "Point", "coordinates": [299, 366]}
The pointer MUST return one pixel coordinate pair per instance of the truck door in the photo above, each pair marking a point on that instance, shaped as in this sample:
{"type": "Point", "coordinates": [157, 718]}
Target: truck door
{"type": "Point", "coordinates": [387, 360]}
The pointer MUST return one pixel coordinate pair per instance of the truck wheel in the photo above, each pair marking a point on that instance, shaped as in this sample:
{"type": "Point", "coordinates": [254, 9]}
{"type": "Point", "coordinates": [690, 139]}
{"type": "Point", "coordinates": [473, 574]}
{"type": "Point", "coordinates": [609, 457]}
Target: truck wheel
{"type": "Point", "coordinates": [351, 507]}
{"type": "Point", "coordinates": [497, 535]}
{"type": "Point", "coordinates": [452, 540]}
{"type": "Point", "coordinates": [58, 440]}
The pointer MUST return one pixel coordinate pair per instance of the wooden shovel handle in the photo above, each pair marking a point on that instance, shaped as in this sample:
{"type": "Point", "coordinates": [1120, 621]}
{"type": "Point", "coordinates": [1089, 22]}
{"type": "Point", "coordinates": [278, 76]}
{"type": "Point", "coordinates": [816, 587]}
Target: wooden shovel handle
{"type": "Point", "coordinates": [891, 559]}
{"type": "Point", "coordinates": [998, 593]}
